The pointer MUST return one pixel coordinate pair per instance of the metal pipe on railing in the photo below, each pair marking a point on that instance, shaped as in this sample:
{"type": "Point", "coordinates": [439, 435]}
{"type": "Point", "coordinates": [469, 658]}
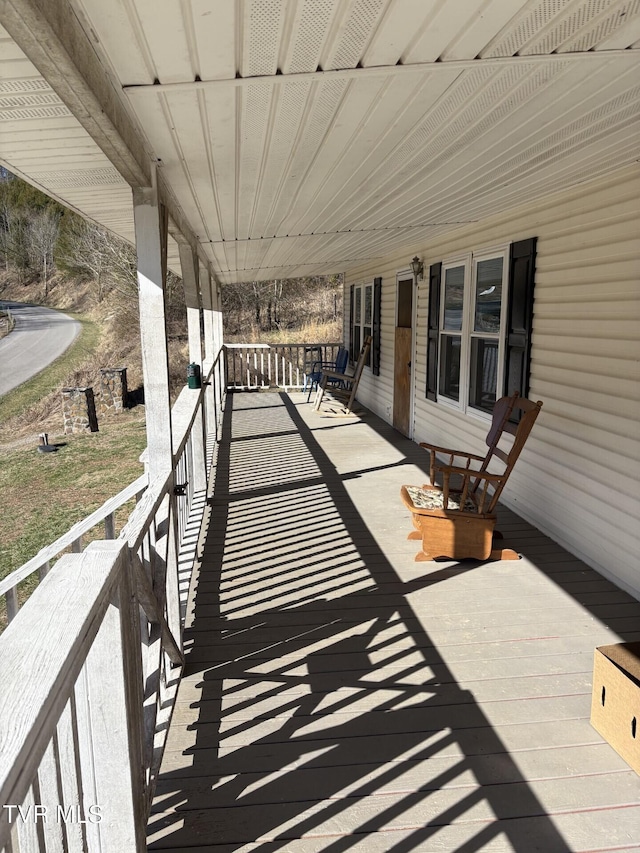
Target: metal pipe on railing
{"type": "Point", "coordinates": [11, 599]}
{"type": "Point", "coordinates": [110, 526]}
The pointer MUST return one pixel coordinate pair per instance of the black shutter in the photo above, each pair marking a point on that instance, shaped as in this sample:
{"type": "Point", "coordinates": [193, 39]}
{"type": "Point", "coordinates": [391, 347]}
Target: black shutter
{"type": "Point", "coordinates": [435, 276]}
{"type": "Point", "coordinates": [351, 299]}
{"type": "Point", "coordinates": [377, 305]}
{"type": "Point", "coordinates": [522, 268]}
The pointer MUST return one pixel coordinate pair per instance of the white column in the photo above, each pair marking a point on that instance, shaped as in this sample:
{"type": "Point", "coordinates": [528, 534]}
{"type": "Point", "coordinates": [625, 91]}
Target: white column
{"type": "Point", "coordinates": [213, 392]}
{"type": "Point", "coordinates": [151, 240]}
{"type": "Point", "coordinates": [189, 265]}
{"type": "Point", "coordinates": [207, 307]}
{"type": "Point", "coordinates": [219, 340]}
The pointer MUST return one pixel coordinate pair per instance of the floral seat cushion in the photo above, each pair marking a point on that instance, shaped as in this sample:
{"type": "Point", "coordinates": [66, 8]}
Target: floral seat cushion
{"type": "Point", "coordinates": [433, 499]}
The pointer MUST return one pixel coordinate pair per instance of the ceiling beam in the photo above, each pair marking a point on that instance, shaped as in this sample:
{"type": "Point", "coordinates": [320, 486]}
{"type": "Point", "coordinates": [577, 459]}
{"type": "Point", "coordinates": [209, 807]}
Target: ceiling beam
{"type": "Point", "coordinates": [625, 57]}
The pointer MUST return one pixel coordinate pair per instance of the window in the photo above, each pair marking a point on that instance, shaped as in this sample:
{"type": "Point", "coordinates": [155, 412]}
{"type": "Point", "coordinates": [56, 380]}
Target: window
{"type": "Point", "coordinates": [356, 335]}
{"type": "Point", "coordinates": [480, 315]}
{"type": "Point", "coordinates": [365, 321]}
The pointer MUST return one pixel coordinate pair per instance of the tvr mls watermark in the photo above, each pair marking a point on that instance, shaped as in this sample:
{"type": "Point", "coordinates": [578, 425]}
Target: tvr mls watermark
{"type": "Point", "coordinates": [47, 814]}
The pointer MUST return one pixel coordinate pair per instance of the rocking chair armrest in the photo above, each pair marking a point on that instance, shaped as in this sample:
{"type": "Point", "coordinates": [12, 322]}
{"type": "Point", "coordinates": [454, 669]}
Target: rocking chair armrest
{"type": "Point", "coordinates": [435, 466]}
{"type": "Point", "coordinates": [433, 448]}
{"type": "Point", "coordinates": [468, 473]}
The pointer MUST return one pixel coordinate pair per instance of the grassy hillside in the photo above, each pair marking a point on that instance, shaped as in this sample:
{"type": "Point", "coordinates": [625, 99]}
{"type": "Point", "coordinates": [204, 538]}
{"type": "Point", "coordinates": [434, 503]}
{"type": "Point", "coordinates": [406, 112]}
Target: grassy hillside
{"type": "Point", "coordinates": [43, 495]}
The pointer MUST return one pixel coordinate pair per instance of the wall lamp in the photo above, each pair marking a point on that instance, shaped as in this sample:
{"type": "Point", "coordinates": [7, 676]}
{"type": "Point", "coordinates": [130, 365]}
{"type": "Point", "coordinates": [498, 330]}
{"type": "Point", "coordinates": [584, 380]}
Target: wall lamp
{"type": "Point", "coordinates": [417, 266]}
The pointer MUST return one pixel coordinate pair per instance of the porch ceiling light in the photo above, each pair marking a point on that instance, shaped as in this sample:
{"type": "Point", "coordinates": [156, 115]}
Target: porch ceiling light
{"type": "Point", "coordinates": [417, 266]}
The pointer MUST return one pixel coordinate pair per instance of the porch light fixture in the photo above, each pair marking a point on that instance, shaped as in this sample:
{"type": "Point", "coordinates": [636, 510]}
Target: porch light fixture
{"type": "Point", "coordinates": [417, 266]}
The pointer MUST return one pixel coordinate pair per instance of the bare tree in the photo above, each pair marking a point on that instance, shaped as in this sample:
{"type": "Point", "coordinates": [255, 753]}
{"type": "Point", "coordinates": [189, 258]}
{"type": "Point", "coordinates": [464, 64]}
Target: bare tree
{"type": "Point", "coordinates": [92, 252]}
{"type": "Point", "coordinates": [44, 226]}
{"type": "Point", "coordinates": [14, 241]}
{"type": "Point", "coordinates": [279, 304]}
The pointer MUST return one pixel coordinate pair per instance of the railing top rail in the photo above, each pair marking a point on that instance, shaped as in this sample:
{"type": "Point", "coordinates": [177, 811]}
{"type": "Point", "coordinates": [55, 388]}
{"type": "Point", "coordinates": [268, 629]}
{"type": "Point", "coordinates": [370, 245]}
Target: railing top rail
{"type": "Point", "coordinates": [276, 346]}
{"type": "Point", "coordinates": [61, 622]}
{"type": "Point", "coordinates": [74, 533]}
{"type": "Point", "coordinates": [136, 527]}
{"type": "Point", "coordinates": [185, 409]}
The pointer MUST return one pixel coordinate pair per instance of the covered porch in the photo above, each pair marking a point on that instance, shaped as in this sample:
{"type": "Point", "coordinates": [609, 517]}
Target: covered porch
{"type": "Point", "coordinates": [337, 696]}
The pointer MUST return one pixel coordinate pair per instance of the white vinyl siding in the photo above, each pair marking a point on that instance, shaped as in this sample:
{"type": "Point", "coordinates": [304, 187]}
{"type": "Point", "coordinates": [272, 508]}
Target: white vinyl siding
{"type": "Point", "coordinates": [578, 478]}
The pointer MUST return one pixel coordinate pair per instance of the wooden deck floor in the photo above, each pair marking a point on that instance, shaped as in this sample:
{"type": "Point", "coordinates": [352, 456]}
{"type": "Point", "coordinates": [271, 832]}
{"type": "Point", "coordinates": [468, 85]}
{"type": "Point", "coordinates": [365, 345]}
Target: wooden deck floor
{"type": "Point", "coordinates": [340, 697]}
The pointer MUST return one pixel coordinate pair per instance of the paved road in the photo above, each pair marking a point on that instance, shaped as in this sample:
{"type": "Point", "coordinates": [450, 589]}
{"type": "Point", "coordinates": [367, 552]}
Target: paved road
{"type": "Point", "coordinates": [39, 337]}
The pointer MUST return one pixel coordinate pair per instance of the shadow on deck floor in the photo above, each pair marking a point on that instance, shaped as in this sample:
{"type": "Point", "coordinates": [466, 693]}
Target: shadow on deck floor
{"type": "Point", "coordinates": [339, 696]}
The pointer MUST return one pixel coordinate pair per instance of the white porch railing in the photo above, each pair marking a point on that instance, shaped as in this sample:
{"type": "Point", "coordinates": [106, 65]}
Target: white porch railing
{"type": "Point", "coordinates": [90, 664]}
{"type": "Point", "coordinates": [250, 366]}
{"type": "Point", "coordinates": [41, 563]}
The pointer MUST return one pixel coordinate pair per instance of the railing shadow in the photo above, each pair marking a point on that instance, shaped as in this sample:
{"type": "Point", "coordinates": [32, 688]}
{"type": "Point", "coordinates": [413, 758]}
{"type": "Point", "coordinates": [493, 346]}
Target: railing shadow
{"type": "Point", "coordinates": [322, 707]}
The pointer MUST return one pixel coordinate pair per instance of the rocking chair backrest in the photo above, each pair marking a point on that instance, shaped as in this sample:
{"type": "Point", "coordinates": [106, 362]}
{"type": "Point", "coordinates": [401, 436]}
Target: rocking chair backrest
{"type": "Point", "coordinates": [362, 358]}
{"type": "Point", "coordinates": [500, 424]}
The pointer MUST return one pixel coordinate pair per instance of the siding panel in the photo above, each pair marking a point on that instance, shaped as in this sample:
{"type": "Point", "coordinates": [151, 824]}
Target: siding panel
{"type": "Point", "coordinates": [578, 477]}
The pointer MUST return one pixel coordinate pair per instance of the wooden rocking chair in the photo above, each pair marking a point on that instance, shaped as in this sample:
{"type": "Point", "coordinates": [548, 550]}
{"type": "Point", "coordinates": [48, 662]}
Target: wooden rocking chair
{"type": "Point", "coordinates": [458, 522]}
{"type": "Point", "coordinates": [348, 385]}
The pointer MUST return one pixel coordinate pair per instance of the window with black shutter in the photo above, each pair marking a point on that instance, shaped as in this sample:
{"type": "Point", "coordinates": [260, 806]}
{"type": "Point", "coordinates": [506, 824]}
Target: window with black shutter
{"type": "Point", "coordinates": [365, 305]}
{"type": "Point", "coordinates": [479, 326]}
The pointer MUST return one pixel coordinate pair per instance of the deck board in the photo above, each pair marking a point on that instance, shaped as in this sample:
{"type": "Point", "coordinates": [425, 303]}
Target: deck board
{"type": "Point", "coordinates": [338, 696]}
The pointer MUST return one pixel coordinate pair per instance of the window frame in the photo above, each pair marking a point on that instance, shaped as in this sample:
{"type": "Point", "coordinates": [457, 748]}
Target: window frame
{"type": "Point", "coordinates": [365, 327]}
{"type": "Point", "coordinates": [469, 262]}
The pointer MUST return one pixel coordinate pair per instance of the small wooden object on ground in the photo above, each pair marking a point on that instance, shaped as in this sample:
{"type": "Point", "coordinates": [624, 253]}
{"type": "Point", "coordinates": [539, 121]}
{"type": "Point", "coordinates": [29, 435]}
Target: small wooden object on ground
{"type": "Point", "coordinates": [615, 700]}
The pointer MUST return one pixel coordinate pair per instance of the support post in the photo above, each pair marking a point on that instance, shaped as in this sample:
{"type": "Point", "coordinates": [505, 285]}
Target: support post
{"type": "Point", "coordinates": [190, 270]}
{"type": "Point", "coordinates": [210, 351]}
{"type": "Point", "coordinates": [151, 242]}
{"type": "Point", "coordinates": [218, 341]}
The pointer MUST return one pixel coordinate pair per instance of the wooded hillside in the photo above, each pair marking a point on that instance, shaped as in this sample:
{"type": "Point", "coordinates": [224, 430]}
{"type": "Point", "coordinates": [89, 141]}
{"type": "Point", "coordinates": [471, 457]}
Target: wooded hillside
{"type": "Point", "coordinates": [43, 242]}
{"type": "Point", "coordinates": [52, 256]}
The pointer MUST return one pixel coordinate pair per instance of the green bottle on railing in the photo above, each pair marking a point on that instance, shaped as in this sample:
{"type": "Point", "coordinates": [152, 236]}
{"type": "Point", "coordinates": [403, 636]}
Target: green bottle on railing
{"type": "Point", "coordinates": [193, 375]}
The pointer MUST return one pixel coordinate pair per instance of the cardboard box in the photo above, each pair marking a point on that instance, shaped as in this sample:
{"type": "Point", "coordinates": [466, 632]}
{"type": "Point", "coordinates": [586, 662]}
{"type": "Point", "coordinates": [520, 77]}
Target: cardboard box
{"type": "Point", "coordinates": [615, 703]}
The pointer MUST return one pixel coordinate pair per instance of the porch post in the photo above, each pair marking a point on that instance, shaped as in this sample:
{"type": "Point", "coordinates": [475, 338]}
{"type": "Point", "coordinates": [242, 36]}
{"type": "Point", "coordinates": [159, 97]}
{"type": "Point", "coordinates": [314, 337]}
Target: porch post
{"type": "Point", "coordinates": [209, 354]}
{"type": "Point", "coordinates": [151, 227]}
{"type": "Point", "coordinates": [207, 306]}
{"type": "Point", "coordinates": [189, 265]}
{"type": "Point", "coordinates": [150, 218]}
{"type": "Point", "coordinates": [218, 337]}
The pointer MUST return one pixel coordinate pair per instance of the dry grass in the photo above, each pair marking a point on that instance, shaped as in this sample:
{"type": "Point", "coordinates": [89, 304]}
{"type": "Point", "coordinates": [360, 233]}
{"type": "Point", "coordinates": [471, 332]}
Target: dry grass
{"type": "Point", "coordinates": [311, 333]}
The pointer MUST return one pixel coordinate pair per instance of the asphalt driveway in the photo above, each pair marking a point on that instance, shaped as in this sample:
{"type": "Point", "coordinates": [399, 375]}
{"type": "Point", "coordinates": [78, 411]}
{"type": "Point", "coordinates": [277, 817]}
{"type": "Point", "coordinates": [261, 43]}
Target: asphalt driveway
{"type": "Point", "coordinates": [40, 336]}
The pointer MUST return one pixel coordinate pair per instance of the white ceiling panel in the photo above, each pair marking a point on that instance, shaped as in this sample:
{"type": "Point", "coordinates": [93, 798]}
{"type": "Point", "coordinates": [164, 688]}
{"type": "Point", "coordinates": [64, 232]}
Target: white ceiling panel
{"type": "Point", "coordinates": [214, 23]}
{"type": "Point", "coordinates": [350, 41]}
{"type": "Point", "coordinates": [310, 33]}
{"type": "Point", "coordinates": [548, 26]}
{"type": "Point", "coordinates": [261, 36]}
{"type": "Point", "coordinates": [491, 17]}
{"type": "Point", "coordinates": [122, 38]}
{"type": "Point", "coordinates": [310, 135]}
{"type": "Point", "coordinates": [389, 44]}
{"type": "Point", "coordinates": [624, 36]}
{"type": "Point", "coordinates": [442, 29]}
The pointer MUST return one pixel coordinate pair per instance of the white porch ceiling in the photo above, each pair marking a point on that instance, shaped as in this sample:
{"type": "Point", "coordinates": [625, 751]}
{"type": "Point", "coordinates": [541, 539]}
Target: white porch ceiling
{"type": "Point", "coordinates": [305, 136]}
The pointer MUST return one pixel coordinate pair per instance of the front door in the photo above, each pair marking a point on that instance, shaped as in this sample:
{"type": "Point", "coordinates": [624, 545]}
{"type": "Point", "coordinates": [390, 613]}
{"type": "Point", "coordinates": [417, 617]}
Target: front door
{"type": "Point", "coordinates": [402, 356]}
